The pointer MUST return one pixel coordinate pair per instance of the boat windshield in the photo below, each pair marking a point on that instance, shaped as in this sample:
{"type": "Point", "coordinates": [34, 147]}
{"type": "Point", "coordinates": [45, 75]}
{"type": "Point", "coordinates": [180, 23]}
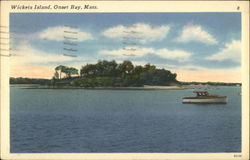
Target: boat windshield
{"type": "Point", "coordinates": [202, 93]}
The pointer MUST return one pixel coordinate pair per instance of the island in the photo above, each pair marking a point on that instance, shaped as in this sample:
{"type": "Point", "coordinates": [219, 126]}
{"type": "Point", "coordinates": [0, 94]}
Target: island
{"type": "Point", "coordinates": [112, 75]}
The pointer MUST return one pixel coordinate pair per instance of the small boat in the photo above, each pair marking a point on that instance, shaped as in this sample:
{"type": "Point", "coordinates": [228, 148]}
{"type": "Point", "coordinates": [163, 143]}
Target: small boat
{"type": "Point", "coordinates": [203, 97]}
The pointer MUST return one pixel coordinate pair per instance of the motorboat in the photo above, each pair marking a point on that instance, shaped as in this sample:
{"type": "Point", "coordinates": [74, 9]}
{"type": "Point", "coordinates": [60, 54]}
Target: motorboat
{"type": "Point", "coordinates": [203, 97]}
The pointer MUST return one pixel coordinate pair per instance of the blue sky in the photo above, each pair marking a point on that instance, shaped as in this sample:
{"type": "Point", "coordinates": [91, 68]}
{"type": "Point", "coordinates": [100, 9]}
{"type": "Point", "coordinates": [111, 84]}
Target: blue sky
{"type": "Point", "coordinates": [175, 41]}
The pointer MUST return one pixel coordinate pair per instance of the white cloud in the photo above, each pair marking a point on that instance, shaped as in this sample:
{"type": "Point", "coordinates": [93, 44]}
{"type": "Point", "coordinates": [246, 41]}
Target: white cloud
{"type": "Point", "coordinates": [140, 32]}
{"type": "Point", "coordinates": [195, 33]}
{"type": "Point", "coordinates": [178, 55]}
{"type": "Point", "coordinates": [189, 67]}
{"type": "Point", "coordinates": [27, 55]}
{"type": "Point", "coordinates": [60, 32]}
{"type": "Point", "coordinates": [127, 52]}
{"type": "Point", "coordinates": [232, 51]}
{"type": "Point", "coordinates": [39, 64]}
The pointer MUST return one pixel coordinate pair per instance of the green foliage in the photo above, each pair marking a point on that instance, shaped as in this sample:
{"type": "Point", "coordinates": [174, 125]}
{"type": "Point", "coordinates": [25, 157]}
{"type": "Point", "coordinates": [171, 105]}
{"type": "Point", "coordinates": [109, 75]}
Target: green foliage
{"type": "Point", "coordinates": [102, 68]}
{"type": "Point", "coordinates": [22, 80]}
{"type": "Point", "coordinates": [93, 82]}
{"type": "Point", "coordinates": [61, 69]}
{"type": "Point", "coordinates": [109, 73]}
{"type": "Point", "coordinates": [68, 71]}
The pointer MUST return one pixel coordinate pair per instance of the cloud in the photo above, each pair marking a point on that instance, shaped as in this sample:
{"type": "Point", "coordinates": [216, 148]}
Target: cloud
{"type": "Point", "coordinates": [232, 51]}
{"type": "Point", "coordinates": [30, 62]}
{"type": "Point", "coordinates": [178, 55]}
{"type": "Point", "coordinates": [60, 32]}
{"type": "Point", "coordinates": [127, 52]}
{"type": "Point", "coordinates": [188, 67]}
{"type": "Point", "coordinates": [27, 55]}
{"type": "Point", "coordinates": [189, 72]}
{"type": "Point", "coordinates": [195, 33]}
{"type": "Point", "coordinates": [140, 32]}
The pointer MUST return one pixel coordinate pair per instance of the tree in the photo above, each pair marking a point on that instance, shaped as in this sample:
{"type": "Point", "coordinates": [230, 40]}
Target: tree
{"type": "Point", "coordinates": [149, 68]}
{"type": "Point", "coordinates": [88, 70]}
{"type": "Point", "coordinates": [106, 68]}
{"type": "Point", "coordinates": [125, 68]}
{"type": "Point", "coordinates": [109, 73]}
{"type": "Point", "coordinates": [56, 75]}
{"type": "Point", "coordinates": [62, 69]}
{"type": "Point", "coordinates": [69, 71]}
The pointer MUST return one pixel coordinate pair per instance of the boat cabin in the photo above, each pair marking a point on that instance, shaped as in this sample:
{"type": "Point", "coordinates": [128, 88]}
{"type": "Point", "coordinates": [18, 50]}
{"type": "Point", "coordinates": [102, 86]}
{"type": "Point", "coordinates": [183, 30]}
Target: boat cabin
{"type": "Point", "coordinates": [201, 93]}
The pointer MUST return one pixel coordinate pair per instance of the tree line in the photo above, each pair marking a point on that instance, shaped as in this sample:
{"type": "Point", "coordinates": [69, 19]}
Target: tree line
{"type": "Point", "coordinates": [21, 80]}
{"type": "Point", "coordinates": [112, 74]}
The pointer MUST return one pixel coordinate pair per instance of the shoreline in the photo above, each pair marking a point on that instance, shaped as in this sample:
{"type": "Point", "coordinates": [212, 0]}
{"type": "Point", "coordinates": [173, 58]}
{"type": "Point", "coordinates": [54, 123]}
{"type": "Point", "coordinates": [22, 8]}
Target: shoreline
{"type": "Point", "coordinates": [114, 88]}
{"type": "Point", "coordinates": [146, 87]}
{"type": "Point", "coordinates": [24, 85]}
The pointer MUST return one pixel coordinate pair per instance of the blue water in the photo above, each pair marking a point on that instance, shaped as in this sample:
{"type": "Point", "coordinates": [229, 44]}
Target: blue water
{"type": "Point", "coordinates": [83, 121]}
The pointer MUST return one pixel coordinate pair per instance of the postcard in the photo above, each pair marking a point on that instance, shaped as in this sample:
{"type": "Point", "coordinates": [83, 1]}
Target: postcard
{"type": "Point", "coordinates": [124, 80]}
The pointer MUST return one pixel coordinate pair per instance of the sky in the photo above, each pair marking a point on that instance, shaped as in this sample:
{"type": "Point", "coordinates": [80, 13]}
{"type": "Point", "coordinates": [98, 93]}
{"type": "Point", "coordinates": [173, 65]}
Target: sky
{"type": "Point", "coordinates": [197, 46]}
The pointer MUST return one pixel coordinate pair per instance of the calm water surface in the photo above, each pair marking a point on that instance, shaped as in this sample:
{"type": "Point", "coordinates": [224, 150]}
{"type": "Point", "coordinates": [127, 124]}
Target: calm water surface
{"type": "Point", "coordinates": [122, 121]}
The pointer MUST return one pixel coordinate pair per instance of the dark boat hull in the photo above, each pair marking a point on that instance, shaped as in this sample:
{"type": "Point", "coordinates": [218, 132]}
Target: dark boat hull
{"type": "Point", "coordinates": [212, 100]}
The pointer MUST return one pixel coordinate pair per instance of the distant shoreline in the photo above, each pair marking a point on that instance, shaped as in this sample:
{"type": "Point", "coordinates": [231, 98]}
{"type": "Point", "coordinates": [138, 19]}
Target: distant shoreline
{"type": "Point", "coordinates": [24, 85]}
{"type": "Point", "coordinates": [146, 87]}
{"type": "Point", "coordinates": [113, 88]}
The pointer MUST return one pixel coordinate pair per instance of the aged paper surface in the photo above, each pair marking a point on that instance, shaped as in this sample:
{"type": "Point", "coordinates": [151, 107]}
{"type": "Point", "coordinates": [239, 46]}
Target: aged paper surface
{"type": "Point", "coordinates": [68, 7]}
